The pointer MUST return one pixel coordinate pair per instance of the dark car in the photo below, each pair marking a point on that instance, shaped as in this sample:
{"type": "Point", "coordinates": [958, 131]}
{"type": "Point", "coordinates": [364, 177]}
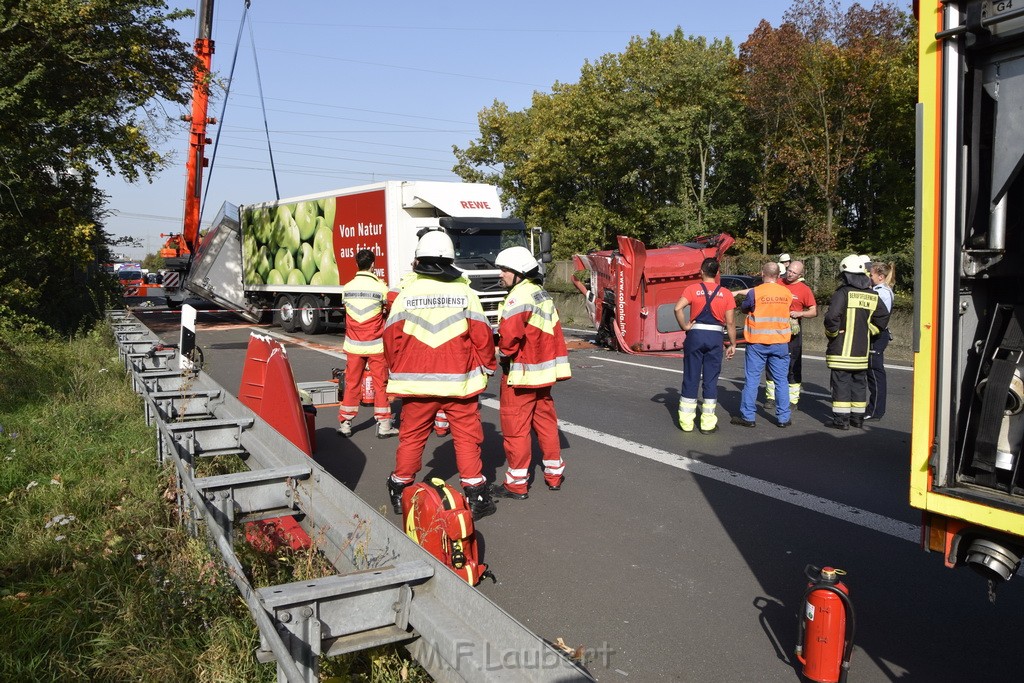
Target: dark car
{"type": "Point", "coordinates": [738, 282]}
{"type": "Point", "coordinates": [735, 283]}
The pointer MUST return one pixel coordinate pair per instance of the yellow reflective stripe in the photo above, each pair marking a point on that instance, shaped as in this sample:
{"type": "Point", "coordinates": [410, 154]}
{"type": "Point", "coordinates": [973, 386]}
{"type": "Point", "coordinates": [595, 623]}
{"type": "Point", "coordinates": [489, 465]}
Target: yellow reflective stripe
{"type": "Point", "coordinates": [538, 374]}
{"type": "Point", "coordinates": [437, 384]}
{"type": "Point", "coordinates": [361, 313]}
{"type": "Point", "coordinates": [365, 348]}
{"type": "Point", "coordinates": [846, 362]}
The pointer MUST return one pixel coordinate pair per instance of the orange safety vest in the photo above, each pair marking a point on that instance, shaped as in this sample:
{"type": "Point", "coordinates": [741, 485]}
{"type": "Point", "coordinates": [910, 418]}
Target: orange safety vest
{"type": "Point", "coordinates": [768, 323]}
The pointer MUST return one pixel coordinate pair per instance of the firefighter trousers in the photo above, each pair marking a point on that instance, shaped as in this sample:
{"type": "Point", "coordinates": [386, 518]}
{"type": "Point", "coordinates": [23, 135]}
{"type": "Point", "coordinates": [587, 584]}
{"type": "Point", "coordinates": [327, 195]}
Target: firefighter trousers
{"type": "Point", "coordinates": [525, 410]}
{"type": "Point", "coordinates": [355, 366]}
{"type": "Point", "coordinates": [849, 394]}
{"type": "Point", "coordinates": [417, 423]}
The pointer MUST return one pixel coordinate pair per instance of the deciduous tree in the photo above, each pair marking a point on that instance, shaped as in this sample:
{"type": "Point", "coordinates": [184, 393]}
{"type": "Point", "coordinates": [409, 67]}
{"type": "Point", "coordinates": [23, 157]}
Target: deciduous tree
{"type": "Point", "coordinates": [644, 144]}
{"type": "Point", "coordinates": [83, 86]}
{"type": "Point", "coordinates": [820, 88]}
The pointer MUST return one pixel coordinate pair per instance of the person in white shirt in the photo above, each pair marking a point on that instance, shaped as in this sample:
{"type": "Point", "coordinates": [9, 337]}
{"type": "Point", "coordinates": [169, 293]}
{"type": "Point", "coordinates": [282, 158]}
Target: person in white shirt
{"type": "Point", "coordinates": [882, 277]}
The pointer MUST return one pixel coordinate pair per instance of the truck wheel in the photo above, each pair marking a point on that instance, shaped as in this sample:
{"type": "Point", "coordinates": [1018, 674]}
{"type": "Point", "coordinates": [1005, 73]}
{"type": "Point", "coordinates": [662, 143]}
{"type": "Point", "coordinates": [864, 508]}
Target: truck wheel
{"type": "Point", "coordinates": [284, 313]}
{"type": "Point", "coordinates": [309, 315]}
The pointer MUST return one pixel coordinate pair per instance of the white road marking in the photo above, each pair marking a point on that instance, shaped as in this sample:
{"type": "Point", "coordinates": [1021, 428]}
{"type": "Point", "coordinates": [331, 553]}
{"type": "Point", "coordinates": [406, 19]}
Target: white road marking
{"type": "Point", "coordinates": [785, 494]}
{"type": "Point", "coordinates": [807, 501]}
{"type": "Point", "coordinates": [738, 382]}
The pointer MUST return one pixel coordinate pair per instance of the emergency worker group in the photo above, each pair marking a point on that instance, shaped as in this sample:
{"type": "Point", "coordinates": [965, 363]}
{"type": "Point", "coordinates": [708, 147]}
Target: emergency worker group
{"type": "Point", "coordinates": [431, 345]}
{"type": "Point", "coordinates": [856, 327]}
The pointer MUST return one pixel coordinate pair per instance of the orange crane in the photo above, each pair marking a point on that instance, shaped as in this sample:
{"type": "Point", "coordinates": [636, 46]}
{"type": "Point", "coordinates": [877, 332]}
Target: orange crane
{"type": "Point", "coordinates": [178, 249]}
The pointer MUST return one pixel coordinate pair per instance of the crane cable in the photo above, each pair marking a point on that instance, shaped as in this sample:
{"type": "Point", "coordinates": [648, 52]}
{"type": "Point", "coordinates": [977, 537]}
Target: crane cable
{"type": "Point", "coordinates": [227, 94]}
{"type": "Point", "coordinates": [263, 107]}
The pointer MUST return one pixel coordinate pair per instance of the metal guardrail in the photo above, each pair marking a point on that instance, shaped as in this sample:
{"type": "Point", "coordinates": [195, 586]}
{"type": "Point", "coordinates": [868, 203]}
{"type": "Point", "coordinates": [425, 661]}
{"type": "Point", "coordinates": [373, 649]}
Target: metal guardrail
{"type": "Point", "coordinates": [387, 590]}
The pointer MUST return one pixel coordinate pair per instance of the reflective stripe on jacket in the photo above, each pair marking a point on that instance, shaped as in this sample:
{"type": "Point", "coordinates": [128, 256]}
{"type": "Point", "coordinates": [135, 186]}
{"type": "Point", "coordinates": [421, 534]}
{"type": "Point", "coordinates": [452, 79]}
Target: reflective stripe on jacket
{"type": "Point", "coordinates": [365, 298]}
{"type": "Point", "coordinates": [768, 322]}
{"type": "Point", "coordinates": [437, 340]}
{"type": "Point", "coordinates": [854, 315]}
{"type": "Point", "coordinates": [530, 334]}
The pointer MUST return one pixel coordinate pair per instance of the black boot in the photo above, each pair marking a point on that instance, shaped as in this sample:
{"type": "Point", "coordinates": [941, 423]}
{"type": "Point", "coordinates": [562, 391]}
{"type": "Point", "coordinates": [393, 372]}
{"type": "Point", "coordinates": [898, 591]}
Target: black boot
{"type": "Point", "coordinates": [480, 502]}
{"type": "Point", "coordinates": [499, 491]}
{"type": "Point", "coordinates": [838, 423]}
{"type": "Point", "coordinates": [395, 492]}
{"type": "Point", "coordinates": [857, 421]}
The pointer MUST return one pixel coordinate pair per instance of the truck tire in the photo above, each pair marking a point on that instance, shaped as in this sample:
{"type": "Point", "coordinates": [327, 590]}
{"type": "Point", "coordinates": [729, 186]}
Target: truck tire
{"type": "Point", "coordinates": [309, 315]}
{"type": "Point", "coordinates": [284, 313]}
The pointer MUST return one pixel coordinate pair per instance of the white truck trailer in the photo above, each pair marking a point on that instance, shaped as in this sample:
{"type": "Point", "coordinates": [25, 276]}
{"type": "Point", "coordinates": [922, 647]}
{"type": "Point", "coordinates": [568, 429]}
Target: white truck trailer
{"type": "Point", "coordinates": [291, 257]}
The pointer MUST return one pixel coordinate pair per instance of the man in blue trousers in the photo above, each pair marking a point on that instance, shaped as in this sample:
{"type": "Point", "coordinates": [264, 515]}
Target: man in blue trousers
{"type": "Point", "coordinates": [767, 333]}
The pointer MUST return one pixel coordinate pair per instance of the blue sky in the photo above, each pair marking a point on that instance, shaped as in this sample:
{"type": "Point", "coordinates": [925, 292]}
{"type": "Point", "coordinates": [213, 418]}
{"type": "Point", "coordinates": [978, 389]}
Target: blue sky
{"type": "Point", "coordinates": [361, 92]}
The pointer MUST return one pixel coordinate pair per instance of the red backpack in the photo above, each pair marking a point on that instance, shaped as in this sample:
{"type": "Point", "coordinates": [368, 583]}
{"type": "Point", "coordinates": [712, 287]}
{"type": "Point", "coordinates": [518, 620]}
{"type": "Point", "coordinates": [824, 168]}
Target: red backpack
{"type": "Point", "coordinates": [438, 518]}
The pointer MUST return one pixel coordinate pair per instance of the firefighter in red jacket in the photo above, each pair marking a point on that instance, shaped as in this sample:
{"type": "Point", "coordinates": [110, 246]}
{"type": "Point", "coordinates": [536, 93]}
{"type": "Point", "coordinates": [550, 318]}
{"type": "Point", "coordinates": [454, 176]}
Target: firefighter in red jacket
{"type": "Point", "coordinates": [440, 351]}
{"type": "Point", "coordinates": [366, 301]}
{"type": "Point", "coordinates": [533, 357]}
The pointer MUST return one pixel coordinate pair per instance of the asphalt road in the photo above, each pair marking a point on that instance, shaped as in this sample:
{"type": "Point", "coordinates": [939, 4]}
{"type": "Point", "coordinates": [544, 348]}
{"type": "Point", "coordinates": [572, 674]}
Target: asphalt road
{"type": "Point", "coordinates": [680, 557]}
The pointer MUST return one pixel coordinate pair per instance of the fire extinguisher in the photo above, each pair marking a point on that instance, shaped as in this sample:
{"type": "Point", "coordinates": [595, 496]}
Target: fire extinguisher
{"type": "Point", "coordinates": [368, 392]}
{"type": "Point", "coordinates": [824, 643]}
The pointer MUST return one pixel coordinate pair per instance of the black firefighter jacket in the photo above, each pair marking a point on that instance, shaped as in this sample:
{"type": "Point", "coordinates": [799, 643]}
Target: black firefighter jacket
{"type": "Point", "coordinates": [855, 315]}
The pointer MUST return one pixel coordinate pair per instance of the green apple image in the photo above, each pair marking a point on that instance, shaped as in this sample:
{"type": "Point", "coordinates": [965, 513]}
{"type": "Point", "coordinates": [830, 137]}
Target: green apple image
{"type": "Point", "coordinates": [256, 279]}
{"type": "Point", "coordinates": [263, 224]}
{"type": "Point", "coordinates": [317, 279]}
{"type": "Point", "coordinates": [286, 234]}
{"type": "Point", "coordinates": [284, 261]}
{"type": "Point", "coordinates": [249, 249]}
{"type": "Point", "coordinates": [305, 217]}
{"type": "Point", "coordinates": [275, 278]}
{"type": "Point", "coordinates": [328, 205]}
{"type": "Point", "coordinates": [328, 268]}
{"type": "Point", "coordinates": [323, 241]}
{"type": "Point", "coordinates": [307, 263]}
{"type": "Point", "coordinates": [296, 277]}
{"type": "Point", "coordinates": [263, 263]}
{"type": "Point", "coordinates": [247, 224]}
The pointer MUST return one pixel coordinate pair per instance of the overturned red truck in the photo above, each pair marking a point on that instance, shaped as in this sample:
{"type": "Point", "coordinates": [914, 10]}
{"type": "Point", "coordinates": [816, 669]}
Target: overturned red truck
{"type": "Point", "coordinates": [633, 290]}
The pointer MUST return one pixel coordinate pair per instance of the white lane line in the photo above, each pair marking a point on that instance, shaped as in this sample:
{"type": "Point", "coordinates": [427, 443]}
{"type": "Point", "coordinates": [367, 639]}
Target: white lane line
{"type": "Point", "coordinates": [738, 382]}
{"type": "Point", "coordinates": [785, 494]}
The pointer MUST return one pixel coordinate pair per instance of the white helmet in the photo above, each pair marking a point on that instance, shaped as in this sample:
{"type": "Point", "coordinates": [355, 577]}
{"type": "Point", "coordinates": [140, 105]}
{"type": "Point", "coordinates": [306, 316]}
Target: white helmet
{"type": "Point", "coordinates": [784, 258]}
{"type": "Point", "coordinates": [517, 259]}
{"type": "Point", "coordinates": [435, 244]}
{"type": "Point", "coordinates": [852, 264]}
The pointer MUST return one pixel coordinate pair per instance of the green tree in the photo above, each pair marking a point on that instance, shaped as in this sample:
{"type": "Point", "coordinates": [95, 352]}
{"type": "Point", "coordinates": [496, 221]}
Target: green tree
{"type": "Point", "coordinates": [820, 89]}
{"type": "Point", "coordinates": [153, 262]}
{"type": "Point", "coordinates": [81, 84]}
{"type": "Point", "coordinates": [645, 144]}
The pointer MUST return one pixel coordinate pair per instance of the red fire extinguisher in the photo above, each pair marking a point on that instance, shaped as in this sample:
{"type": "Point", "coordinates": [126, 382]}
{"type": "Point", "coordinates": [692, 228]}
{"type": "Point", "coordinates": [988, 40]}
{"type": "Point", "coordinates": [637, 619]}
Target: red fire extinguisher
{"type": "Point", "coordinates": [824, 643]}
{"type": "Point", "coordinates": [368, 393]}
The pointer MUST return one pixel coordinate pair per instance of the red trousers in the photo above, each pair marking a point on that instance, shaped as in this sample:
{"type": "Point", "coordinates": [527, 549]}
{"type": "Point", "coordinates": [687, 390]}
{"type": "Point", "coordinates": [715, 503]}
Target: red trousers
{"type": "Point", "coordinates": [417, 422]}
{"type": "Point", "coordinates": [526, 409]}
{"type": "Point", "coordinates": [355, 366]}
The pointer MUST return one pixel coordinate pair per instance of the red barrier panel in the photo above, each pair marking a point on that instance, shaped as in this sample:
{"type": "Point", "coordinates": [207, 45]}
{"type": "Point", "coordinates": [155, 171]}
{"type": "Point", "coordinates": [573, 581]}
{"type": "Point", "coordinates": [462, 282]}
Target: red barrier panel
{"type": "Point", "coordinates": [268, 389]}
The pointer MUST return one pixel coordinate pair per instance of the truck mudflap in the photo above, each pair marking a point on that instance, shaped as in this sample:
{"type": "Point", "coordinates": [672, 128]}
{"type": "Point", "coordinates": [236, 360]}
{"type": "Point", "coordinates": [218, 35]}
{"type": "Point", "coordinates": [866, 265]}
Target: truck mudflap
{"type": "Point", "coordinates": [216, 272]}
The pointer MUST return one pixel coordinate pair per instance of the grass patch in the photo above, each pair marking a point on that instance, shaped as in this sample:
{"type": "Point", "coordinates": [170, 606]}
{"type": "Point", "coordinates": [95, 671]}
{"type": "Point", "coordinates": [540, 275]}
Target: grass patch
{"type": "Point", "coordinates": [97, 581]}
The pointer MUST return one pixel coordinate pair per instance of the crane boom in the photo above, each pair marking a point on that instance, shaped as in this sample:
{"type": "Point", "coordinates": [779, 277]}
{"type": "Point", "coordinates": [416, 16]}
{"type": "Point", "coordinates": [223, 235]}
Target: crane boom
{"type": "Point", "coordinates": [179, 247]}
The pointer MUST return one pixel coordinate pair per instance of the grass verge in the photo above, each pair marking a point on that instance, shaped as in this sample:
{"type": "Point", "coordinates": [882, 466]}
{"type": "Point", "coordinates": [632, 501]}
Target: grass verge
{"type": "Point", "coordinates": [97, 580]}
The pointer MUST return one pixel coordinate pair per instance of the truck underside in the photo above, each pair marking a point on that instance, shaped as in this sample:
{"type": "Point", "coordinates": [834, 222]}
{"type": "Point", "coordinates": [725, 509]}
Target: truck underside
{"type": "Point", "coordinates": [977, 273]}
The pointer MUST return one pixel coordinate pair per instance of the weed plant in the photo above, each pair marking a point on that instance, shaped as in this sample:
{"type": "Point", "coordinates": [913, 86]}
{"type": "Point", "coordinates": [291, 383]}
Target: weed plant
{"type": "Point", "coordinates": [98, 581]}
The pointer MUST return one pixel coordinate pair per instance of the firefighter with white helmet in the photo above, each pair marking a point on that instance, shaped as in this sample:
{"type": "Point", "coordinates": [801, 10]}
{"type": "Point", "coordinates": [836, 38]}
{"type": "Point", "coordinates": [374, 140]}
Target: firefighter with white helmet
{"type": "Point", "coordinates": [784, 261]}
{"type": "Point", "coordinates": [854, 316]}
{"type": "Point", "coordinates": [533, 356]}
{"type": "Point", "coordinates": [440, 351]}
